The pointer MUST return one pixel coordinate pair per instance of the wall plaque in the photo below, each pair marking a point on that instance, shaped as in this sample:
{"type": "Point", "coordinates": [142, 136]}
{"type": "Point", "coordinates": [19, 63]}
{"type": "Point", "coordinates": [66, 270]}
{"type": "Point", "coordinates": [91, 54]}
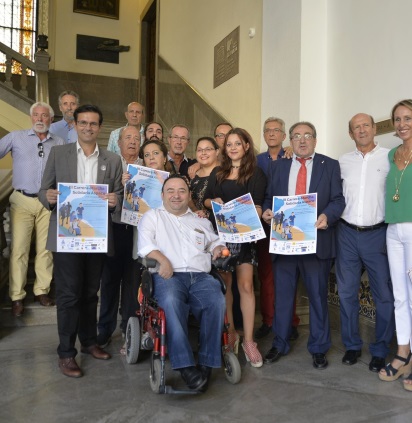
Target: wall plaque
{"type": "Point", "coordinates": [226, 59]}
{"type": "Point", "coordinates": [97, 49]}
{"type": "Point", "coordinates": [384, 127]}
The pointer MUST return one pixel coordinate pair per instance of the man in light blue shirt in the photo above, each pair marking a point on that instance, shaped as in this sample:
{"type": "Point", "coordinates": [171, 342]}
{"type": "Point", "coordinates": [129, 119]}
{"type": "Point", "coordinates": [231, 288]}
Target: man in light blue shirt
{"type": "Point", "coordinates": [30, 149]}
{"type": "Point", "coordinates": [68, 102]}
{"type": "Point", "coordinates": [134, 115]}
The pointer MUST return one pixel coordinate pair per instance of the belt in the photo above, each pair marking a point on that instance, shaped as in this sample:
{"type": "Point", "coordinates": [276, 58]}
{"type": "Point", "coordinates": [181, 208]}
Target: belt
{"type": "Point", "coordinates": [364, 228]}
{"type": "Point", "coordinates": [27, 194]}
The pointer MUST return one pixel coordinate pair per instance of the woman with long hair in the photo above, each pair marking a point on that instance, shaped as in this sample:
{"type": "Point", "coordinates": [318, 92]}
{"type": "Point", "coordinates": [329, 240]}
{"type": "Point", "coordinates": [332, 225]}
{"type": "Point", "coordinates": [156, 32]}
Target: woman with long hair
{"type": "Point", "coordinates": [207, 156]}
{"type": "Point", "coordinates": [239, 175]}
{"type": "Point", "coordinates": [398, 215]}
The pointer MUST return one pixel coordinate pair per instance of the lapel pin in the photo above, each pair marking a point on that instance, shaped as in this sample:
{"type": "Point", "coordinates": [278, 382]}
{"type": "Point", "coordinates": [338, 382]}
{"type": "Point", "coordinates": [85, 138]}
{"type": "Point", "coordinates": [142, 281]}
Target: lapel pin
{"type": "Point", "coordinates": [103, 167]}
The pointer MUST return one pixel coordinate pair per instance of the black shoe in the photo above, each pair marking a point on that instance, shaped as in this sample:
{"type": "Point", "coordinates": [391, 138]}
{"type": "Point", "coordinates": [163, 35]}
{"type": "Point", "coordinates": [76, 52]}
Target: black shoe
{"type": "Point", "coordinates": [192, 377]}
{"type": "Point", "coordinates": [263, 331]}
{"type": "Point", "coordinates": [376, 364]}
{"type": "Point", "coordinates": [206, 374]}
{"type": "Point", "coordinates": [351, 357]}
{"type": "Point", "coordinates": [103, 340]}
{"type": "Point", "coordinates": [319, 361]}
{"type": "Point", "coordinates": [294, 334]}
{"type": "Point", "coordinates": [272, 355]}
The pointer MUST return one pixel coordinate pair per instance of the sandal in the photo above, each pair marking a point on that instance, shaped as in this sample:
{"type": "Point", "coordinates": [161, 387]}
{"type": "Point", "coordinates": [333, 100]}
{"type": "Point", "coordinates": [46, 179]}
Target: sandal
{"type": "Point", "coordinates": [408, 386]}
{"type": "Point", "coordinates": [233, 339]}
{"type": "Point", "coordinates": [123, 349]}
{"type": "Point", "coordinates": [394, 374]}
{"type": "Point", "coordinates": [252, 354]}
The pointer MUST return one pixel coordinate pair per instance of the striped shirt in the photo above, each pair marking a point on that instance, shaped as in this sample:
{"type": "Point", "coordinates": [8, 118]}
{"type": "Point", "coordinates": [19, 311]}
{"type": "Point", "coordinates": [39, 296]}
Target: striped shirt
{"type": "Point", "coordinates": [28, 165]}
{"type": "Point", "coordinates": [113, 146]}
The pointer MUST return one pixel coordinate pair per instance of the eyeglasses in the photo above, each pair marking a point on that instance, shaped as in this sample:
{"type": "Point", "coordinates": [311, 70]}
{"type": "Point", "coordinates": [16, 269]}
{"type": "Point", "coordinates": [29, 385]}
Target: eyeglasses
{"type": "Point", "coordinates": [177, 138]}
{"type": "Point", "coordinates": [298, 137]}
{"type": "Point", "coordinates": [40, 147]}
{"type": "Point", "coordinates": [83, 124]}
{"type": "Point", "coordinates": [273, 131]}
{"type": "Point", "coordinates": [205, 150]}
{"type": "Point", "coordinates": [220, 135]}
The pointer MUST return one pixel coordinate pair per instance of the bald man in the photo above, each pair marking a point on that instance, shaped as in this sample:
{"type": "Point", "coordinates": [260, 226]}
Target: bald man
{"type": "Point", "coordinates": [361, 243]}
{"type": "Point", "coordinates": [134, 115]}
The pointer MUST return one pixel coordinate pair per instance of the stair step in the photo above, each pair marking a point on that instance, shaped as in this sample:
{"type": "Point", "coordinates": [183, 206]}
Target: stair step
{"type": "Point", "coordinates": [34, 315]}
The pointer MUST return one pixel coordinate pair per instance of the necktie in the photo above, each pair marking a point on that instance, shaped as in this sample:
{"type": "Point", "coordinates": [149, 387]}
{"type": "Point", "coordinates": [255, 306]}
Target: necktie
{"type": "Point", "coordinates": [302, 176]}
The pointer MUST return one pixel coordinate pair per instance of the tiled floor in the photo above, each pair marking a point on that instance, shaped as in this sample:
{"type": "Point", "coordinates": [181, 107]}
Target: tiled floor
{"type": "Point", "coordinates": [33, 390]}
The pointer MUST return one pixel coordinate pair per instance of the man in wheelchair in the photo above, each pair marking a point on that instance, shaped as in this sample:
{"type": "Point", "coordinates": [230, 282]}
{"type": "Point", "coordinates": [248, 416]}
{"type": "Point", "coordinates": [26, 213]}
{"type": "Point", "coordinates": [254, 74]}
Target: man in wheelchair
{"type": "Point", "coordinates": [182, 243]}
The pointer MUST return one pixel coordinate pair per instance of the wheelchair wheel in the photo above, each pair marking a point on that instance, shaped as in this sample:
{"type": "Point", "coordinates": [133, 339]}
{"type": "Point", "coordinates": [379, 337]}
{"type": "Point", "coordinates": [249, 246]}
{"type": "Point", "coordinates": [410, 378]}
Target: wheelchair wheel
{"type": "Point", "coordinates": [155, 375]}
{"type": "Point", "coordinates": [233, 371]}
{"type": "Point", "coordinates": [132, 340]}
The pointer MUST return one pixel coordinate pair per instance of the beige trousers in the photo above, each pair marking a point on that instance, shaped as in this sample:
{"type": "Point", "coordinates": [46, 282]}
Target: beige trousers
{"type": "Point", "coordinates": [28, 214]}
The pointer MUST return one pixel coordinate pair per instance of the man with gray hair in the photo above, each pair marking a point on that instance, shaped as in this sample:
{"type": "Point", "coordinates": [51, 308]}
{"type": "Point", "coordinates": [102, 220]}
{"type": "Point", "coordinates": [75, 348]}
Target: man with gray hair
{"type": "Point", "coordinates": [30, 149]}
{"type": "Point", "coordinates": [274, 134]}
{"type": "Point", "coordinates": [179, 138]}
{"type": "Point", "coordinates": [120, 271]}
{"type": "Point", "coordinates": [68, 102]}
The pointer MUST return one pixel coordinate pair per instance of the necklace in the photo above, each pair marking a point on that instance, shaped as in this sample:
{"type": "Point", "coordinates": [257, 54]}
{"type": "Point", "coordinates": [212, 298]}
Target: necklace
{"type": "Point", "coordinates": [396, 196]}
{"type": "Point", "coordinates": [235, 167]}
{"type": "Point", "coordinates": [401, 156]}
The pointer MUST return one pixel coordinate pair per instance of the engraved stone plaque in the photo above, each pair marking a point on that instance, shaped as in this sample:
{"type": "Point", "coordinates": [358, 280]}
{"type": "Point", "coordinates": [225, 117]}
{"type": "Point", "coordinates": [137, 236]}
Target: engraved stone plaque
{"type": "Point", "coordinates": [226, 58]}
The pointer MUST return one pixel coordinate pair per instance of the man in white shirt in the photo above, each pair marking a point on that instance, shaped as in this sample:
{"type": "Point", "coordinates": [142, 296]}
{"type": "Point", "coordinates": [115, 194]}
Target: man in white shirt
{"type": "Point", "coordinates": [361, 243]}
{"type": "Point", "coordinates": [182, 244]}
{"type": "Point", "coordinates": [77, 274]}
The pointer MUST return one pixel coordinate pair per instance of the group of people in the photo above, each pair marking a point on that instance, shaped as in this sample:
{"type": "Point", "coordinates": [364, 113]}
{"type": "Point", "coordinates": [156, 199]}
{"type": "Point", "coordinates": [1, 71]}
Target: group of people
{"type": "Point", "coordinates": [363, 221]}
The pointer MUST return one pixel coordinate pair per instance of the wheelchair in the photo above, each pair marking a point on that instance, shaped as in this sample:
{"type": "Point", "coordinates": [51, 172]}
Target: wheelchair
{"type": "Point", "coordinates": [147, 331]}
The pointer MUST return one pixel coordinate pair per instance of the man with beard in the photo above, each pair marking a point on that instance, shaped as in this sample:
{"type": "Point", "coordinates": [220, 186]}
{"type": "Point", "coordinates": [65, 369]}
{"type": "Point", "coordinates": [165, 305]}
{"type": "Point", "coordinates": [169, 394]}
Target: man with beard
{"type": "Point", "coordinates": [68, 102]}
{"type": "Point", "coordinates": [153, 131]}
{"type": "Point", "coordinates": [30, 149]}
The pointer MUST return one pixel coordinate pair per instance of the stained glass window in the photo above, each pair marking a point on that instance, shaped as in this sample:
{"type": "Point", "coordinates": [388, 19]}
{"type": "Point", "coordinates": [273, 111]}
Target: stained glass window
{"type": "Point", "coordinates": [18, 29]}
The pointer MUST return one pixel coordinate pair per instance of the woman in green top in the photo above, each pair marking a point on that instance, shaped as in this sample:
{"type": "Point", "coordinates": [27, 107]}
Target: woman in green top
{"type": "Point", "coordinates": [398, 211]}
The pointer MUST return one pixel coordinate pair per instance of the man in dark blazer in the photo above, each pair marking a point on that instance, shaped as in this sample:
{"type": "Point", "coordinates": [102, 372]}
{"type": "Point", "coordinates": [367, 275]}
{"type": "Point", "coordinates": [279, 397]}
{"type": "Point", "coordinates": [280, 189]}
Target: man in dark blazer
{"type": "Point", "coordinates": [323, 177]}
{"type": "Point", "coordinates": [77, 275]}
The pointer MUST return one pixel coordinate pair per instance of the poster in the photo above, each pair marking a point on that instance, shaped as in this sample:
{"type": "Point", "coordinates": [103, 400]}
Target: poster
{"type": "Point", "coordinates": [237, 221]}
{"type": "Point", "coordinates": [142, 192]}
{"type": "Point", "coordinates": [82, 218]}
{"type": "Point", "coordinates": [293, 228]}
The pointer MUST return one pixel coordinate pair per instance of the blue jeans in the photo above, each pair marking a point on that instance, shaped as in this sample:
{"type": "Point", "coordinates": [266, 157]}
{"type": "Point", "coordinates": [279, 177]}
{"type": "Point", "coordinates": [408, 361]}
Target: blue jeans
{"type": "Point", "coordinates": [200, 294]}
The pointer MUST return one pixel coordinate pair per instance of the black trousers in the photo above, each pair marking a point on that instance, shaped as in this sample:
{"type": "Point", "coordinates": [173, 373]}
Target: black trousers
{"type": "Point", "coordinates": [77, 278]}
{"type": "Point", "coordinates": [122, 271]}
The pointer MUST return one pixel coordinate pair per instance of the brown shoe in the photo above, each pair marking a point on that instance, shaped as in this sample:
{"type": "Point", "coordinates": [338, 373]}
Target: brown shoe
{"type": "Point", "coordinates": [96, 352]}
{"type": "Point", "coordinates": [69, 367]}
{"type": "Point", "coordinates": [17, 308]}
{"type": "Point", "coordinates": [44, 300]}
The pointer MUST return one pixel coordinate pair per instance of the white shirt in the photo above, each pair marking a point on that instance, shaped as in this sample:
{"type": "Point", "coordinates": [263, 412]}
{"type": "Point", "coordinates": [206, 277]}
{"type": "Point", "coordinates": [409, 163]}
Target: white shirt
{"type": "Point", "coordinates": [293, 174]}
{"type": "Point", "coordinates": [364, 181]}
{"type": "Point", "coordinates": [87, 166]}
{"type": "Point", "coordinates": [187, 240]}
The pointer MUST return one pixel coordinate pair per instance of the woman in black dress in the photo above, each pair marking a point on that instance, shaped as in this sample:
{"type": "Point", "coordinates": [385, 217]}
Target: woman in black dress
{"type": "Point", "coordinates": [207, 153]}
{"type": "Point", "coordinates": [239, 175]}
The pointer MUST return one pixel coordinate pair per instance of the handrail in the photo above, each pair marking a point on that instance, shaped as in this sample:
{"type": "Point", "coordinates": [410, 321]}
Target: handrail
{"type": "Point", "coordinates": [40, 67]}
{"type": "Point", "coordinates": [13, 54]}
